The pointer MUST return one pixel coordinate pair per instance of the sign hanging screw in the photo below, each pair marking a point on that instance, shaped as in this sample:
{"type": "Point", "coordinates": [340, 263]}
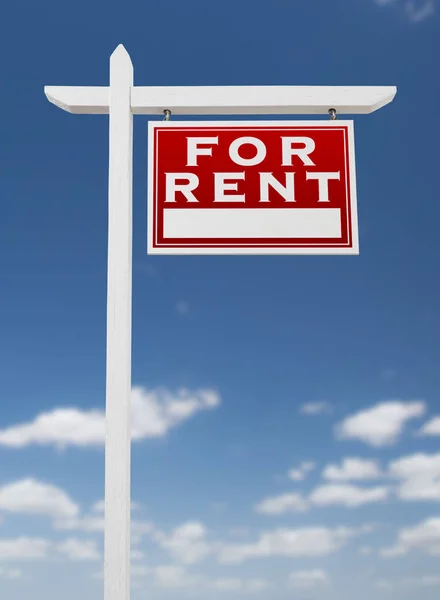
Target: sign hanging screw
{"type": "Point", "coordinates": [332, 113]}
{"type": "Point", "coordinates": [167, 114]}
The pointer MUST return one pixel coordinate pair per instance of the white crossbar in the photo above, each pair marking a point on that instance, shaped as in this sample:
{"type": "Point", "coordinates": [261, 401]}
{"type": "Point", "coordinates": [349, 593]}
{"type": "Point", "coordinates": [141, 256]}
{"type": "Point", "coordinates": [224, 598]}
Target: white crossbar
{"type": "Point", "coordinates": [228, 100]}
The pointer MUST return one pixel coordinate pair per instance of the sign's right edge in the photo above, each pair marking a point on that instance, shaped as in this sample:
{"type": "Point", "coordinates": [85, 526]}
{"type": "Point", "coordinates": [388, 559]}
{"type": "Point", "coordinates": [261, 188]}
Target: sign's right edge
{"type": "Point", "coordinates": [353, 189]}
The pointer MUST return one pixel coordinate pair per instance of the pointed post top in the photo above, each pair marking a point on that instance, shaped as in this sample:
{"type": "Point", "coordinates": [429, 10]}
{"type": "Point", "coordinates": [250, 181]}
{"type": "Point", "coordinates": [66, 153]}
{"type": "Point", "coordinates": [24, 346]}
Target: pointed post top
{"type": "Point", "coordinates": [121, 56]}
{"type": "Point", "coordinates": [120, 48]}
{"type": "Point", "coordinates": [121, 67]}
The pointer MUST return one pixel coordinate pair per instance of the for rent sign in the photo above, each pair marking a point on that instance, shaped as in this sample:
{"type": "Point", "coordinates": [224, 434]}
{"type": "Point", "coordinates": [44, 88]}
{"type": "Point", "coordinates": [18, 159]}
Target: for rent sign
{"type": "Point", "coordinates": [252, 188]}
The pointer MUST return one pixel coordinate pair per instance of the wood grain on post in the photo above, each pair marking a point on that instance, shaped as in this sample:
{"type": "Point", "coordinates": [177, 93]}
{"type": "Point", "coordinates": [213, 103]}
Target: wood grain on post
{"type": "Point", "coordinates": [118, 390]}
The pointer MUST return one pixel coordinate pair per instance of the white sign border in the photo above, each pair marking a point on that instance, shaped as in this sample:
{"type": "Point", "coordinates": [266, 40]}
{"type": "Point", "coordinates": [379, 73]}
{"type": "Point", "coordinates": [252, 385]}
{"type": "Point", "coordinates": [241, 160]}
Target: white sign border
{"type": "Point", "coordinates": [238, 250]}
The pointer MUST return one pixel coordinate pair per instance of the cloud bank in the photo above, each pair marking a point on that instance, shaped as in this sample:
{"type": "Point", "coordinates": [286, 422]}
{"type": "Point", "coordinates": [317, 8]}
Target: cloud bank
{"type": "Point", "coordinates": [154, 414]}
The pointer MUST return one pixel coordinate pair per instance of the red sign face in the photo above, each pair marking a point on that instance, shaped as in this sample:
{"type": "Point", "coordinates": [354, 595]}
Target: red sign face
{"type": "Point", "coordinates": [252, 188]}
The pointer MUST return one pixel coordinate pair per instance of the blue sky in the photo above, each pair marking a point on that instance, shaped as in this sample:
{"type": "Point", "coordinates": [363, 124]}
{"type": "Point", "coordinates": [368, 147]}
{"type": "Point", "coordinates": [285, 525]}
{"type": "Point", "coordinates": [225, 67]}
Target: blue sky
{"type": "Point", "coordinates": [307, 462]}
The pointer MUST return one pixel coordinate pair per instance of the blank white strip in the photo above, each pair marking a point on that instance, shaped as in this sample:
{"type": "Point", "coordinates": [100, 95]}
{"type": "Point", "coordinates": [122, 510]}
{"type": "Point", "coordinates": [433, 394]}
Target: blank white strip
{"type": "Point", "coordinates": [252, 223]}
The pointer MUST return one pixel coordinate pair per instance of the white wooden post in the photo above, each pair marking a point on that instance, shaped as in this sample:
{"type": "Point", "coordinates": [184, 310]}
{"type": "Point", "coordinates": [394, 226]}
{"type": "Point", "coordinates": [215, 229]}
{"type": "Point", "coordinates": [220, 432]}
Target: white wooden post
{"type": "Point", "coordinates": [118, 421]}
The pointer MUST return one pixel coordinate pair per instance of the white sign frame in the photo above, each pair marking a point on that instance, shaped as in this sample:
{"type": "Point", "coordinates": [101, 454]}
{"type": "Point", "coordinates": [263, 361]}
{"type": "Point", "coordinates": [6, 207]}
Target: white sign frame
{"type": "Point", "coordinates": [237, 250]}
{"type": "Point", "coordinates": [121, 100]}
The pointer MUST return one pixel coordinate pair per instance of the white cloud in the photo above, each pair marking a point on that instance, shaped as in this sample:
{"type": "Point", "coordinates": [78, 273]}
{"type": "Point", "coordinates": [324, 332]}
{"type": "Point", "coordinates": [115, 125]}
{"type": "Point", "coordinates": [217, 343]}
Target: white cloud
{"type": "Point", "coordinates": [235, 584]}
{"type": "Point", "coordinates": [137, 555]}
{"type": "Point", "coordinates": [352, 469]}
{"type": "Point", "coordinates": [174, 576]}
{"type": "Point", "coordinates": [419, 10]}
{"type": "Point", "coordinates": [177, 576]}
{"type": "Point", "coordinates": [393, 551]}
{"type": "Point", "coordinates": [83, 523]}
{"type": "Point", "coordinates": [380, 425]}
{"type": "Point", "coordinates": [6, 573]}
{"type": "Point", "coordinates": [61, 427]}
{"type": "Point", "coordinates": [77, 550]}
{"type": "Point", "coordinates": [415, 10]}
{"type": "Point", "coordinates": [409, 582]}
{"type": "Point", "coordinates": [277, 505]}
{"type": "Point", "coordinates": [138, 570]}
{"type": "Point", "coordinates": [229, 585]}
{"type": "Point", "coordinates": [429, 580]}
{"type": "Point", "coordinates": [299, 473]}
{"type": "Point", "coordinates": [95, 524]}
{"type": "Point", "coordinates": [419, 476]}
{"type": "Point", "coordinates": [26, 548]}
{"type": "Point", "coordinates": [32, 497]}
{"type": "Point", "coordinates": [254, 585]}
{"type": "Point", "coordinates": [239, 532]}
{"type": "Point", "coordinates": [303, 542]}
{"type": "Point", "coordinates": [432, 427]}
{"type": "Point", "coordinates": [424, 537]}
{"type": "Point", "coordinates": [385, 584]}
{"type": "Point", "coordinates": [337, 494]}
{"type": "Point", "coordinates": [139, 529]}
{"type": "Point", "coordinates": [423, 581]}
{"type": "Point", "coordinates": [187, 543]}
{"type": "Point", "coordinates": [154, 413]}
{"type": "Point", "coordinates": [308, 579]}
{"type": "Point", "coordinates": [99, 506]}
{"type": "Point", "coordinates": [23, 548]}
{"type": "Point", "coordinates": [347, 495]}
{"type": "Point", "coordinates": [385, 2]}
{"type": "Point", "coordinates": [315, 408]}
